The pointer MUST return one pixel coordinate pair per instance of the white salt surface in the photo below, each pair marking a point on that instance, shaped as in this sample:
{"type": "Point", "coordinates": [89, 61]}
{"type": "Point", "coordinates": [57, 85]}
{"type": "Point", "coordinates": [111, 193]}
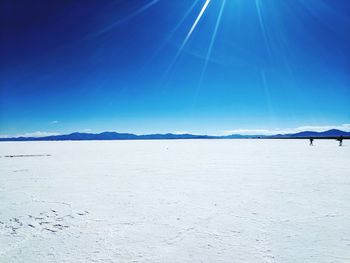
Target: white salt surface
{"type": "Point", "coordinates": [175, 201]}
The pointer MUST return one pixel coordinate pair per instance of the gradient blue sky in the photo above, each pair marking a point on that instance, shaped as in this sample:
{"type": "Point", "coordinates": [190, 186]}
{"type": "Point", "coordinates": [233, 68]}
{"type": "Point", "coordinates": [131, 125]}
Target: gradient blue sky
{"type": "Point", "coordinates": [124, 65]}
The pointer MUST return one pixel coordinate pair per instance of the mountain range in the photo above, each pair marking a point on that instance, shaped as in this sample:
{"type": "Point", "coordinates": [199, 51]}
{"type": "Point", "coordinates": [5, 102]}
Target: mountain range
{"type": "Point", "coordinates": [77, 136]}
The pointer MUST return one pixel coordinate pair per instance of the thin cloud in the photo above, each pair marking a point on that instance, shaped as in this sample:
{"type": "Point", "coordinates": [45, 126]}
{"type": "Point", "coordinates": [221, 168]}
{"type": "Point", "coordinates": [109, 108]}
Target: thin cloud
{"type": "Point", "coordinates": [343, 127]}
{"type": "Point", "coordinates": [36, 134]}
{"type": "Point", "coordinates": [180, 132]}
{"type": "Point", "coordinates": [54, 122]}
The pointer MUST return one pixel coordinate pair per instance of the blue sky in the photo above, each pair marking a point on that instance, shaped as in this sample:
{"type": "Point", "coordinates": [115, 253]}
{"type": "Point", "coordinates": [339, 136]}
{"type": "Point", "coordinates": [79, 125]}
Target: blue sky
{"type": "Point", "coordinates": [146, 66]}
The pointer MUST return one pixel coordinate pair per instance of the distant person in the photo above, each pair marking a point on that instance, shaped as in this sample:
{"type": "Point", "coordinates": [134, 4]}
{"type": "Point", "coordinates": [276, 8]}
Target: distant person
{"type": "Point", "coordinates": [311, 141]}
{"type": "Point", "coordinates": [340, 139]}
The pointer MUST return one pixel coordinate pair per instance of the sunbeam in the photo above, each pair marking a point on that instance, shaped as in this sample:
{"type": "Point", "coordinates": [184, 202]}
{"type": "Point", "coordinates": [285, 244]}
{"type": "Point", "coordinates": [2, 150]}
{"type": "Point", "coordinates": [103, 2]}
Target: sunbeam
{"type": "Point", "coordinates": [178, 25]}
{"type": "Point", "coordinates": [262, 25]}
{"type": "Point", "coordinates": [195, 23]}
{"type": "Point", "coordinates": [267, 95]}
{"type": "Point", "coordinates": [212, 41]}
{"type": "Point", "coordinates": [170, 36]}
{"type": "Point", "coordinates": [193, 27]}
{"type": "Point", "coordinates": [127, 18]}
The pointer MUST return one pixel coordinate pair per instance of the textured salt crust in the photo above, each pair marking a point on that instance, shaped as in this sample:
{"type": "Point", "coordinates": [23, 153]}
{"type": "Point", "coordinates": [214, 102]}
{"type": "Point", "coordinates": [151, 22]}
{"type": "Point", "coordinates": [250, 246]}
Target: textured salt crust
{"type": "Point", "coordinates": [175, 201]}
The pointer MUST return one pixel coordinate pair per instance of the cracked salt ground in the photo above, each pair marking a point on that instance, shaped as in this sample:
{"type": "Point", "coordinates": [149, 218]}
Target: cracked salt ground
{"type": "Point", "coordinates": [51, 221]}
{"type": "Point", "coordinates": [197, 201]}
{"type": "Point", "coordinates": [47, 221]}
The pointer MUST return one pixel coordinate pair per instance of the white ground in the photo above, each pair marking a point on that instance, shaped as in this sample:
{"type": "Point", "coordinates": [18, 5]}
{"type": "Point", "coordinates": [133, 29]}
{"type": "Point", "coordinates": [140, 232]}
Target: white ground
{"type": "Point", "coordinates": [175, 201]}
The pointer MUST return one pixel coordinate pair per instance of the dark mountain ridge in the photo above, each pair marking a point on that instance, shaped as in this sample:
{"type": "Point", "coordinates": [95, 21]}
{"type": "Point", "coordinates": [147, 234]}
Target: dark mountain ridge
{"type": "Point", "coordinates": [303, 134]}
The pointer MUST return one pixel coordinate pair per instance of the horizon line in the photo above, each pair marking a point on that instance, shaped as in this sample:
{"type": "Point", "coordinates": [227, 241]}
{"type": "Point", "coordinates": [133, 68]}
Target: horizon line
{"type": "Point", "coordinates": [242, 132]}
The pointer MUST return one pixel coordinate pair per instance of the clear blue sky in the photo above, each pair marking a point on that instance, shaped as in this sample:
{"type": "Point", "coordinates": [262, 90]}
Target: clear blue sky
{"type": "Point", "coordinates": [136, 66]}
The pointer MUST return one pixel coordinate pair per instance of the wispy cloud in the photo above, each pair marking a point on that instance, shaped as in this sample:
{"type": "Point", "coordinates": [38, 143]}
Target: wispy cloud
{"type": "Point", "coordinates": [30, 134]}
{"type": "Point", "coordinates": [53, 122]}
{"type": "Point", "coordinates": [343, 127]}
{"type": "Point", "coordinates": [180, 132]}
{"type": "Point", "coordinates": [38, 134]}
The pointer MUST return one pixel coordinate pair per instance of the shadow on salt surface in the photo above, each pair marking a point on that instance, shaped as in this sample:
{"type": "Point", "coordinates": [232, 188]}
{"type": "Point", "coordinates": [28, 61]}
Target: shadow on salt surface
{"type": "Point", "coordinates": [26, 155]}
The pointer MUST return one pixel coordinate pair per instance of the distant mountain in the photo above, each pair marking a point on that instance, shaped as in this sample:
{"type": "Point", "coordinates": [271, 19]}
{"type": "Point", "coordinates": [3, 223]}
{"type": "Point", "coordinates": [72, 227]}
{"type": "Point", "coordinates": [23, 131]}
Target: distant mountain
{"type": "Point", "coordinates": [329, 133]}
{"type": "Point", "coordinates": [77, 136]}
{"type": "Point", "coordinates": [240, 136]}
{"type": "Point", "coordinates": [174, 136]}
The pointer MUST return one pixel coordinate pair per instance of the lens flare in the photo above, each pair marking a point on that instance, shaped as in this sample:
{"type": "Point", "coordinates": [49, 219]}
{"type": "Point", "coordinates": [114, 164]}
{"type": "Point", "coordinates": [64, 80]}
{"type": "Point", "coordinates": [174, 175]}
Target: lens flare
{"type": "Point", "coordinates": [212, 42]}
{"type": "Point", "coordinates": [127, 18]}
{"type": "Point", "coordinates": [188, 36]}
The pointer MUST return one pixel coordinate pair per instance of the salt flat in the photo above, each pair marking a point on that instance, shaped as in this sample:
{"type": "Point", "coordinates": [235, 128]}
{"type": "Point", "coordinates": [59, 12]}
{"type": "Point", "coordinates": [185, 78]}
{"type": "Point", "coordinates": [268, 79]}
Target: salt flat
{"type": "Point", "coordinates": [175, 201]}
